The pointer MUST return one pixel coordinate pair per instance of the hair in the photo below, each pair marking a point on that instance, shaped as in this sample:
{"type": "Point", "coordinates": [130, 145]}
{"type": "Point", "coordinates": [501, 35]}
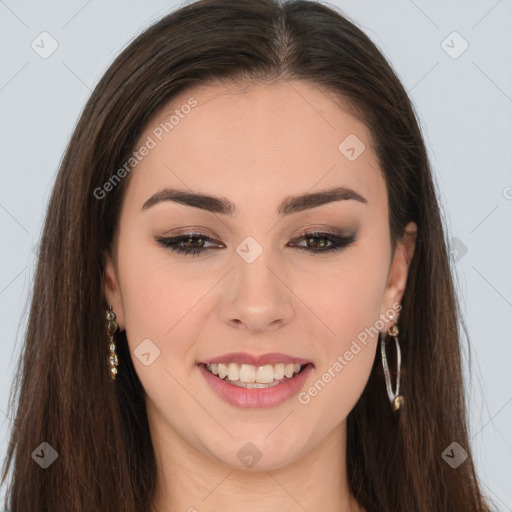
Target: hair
{"type": "Point", "coordinates": [100, 430]}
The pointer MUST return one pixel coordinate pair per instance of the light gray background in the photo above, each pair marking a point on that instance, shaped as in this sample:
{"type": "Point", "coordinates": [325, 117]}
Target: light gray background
{"type": "Point", "coordinates": [465, 109]}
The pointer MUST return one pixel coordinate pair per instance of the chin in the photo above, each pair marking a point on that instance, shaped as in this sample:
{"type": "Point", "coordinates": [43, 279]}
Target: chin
{"type": "Point", "coordinates": [259, 453]}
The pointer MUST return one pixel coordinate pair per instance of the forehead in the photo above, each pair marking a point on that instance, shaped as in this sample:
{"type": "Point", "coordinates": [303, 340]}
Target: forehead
{"type": "Point", "coordinates": [259, 142]}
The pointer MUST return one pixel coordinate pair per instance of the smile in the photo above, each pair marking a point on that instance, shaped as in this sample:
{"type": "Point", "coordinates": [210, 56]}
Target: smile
{"type": "Point", "coordinates": [250, 376]}
{"type": "Point", "coordinates": [240, 384]}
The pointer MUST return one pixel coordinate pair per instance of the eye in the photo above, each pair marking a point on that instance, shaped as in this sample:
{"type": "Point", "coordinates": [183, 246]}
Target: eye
{"type": "Point", "coordinates": [193, 243]}
{"type": "Point", "coordinates": [324, 242]}
{"type": "Point", "coordinates": [321, 242]}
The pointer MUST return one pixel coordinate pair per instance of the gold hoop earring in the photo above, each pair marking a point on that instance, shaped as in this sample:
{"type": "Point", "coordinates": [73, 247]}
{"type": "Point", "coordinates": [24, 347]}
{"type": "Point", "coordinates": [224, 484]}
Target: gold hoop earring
{"type": "Point", "coordinates": [111, 329]}
{"type": "Point", "coordinates": [396, 399]}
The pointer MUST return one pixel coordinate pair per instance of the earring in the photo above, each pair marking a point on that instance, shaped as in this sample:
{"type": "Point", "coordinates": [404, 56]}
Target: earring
{"type": "Point", "coordinates": [395, 398]}
{"type": "Point", "coordinates": [111, 329]}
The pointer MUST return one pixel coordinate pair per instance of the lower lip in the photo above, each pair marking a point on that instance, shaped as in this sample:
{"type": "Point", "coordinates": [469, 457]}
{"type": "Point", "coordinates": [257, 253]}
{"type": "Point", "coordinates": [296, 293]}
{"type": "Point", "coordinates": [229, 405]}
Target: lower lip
{"type": "Point", "coordinates": [256, 398]}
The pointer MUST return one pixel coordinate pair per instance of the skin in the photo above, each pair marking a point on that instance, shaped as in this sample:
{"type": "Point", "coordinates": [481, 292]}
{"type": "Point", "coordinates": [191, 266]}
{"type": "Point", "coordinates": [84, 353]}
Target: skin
{"type": "Point", "coordinates": [254, 147]}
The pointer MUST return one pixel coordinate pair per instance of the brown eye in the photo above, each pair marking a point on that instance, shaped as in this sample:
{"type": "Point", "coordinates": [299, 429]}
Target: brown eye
{"type": "Point", "coordinates": [188, 243]}
{"type": "Point", "coordinates": [194, 241]}
{"type": "Point", "coordinates": [320, 242]}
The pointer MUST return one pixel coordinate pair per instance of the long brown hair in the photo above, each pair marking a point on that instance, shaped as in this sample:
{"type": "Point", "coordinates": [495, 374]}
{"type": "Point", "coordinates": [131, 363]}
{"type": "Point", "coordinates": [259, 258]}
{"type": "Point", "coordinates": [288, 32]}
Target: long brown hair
{"type": "Point", "coordinates": [62, 394]}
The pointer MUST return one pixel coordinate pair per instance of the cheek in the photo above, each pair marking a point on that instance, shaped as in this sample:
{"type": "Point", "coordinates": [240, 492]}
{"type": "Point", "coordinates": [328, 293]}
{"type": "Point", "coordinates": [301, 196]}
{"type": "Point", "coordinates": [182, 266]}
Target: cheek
{"type": "Point", "coordinates": [349, 302]}
{"type": "Point", "coordinates": [347, 298]}
{"type": "Point", "coordinates": [156, 291]}
{"type": "Point", "coordinates": [156, 300]}
{"type": "Point", "coordinates": [346, 347]}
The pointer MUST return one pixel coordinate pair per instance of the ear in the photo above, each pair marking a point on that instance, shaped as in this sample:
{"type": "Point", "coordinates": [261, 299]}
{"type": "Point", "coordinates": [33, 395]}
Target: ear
{"type": "Point", "coordinates": [113, 291]}
{"type": "Point", "coordinates": [399, 270]}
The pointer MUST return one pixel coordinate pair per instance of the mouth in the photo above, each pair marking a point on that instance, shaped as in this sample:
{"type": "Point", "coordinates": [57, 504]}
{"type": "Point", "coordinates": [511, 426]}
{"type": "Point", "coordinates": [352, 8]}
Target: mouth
{"type": "Point", "coordinates": [249, 376]}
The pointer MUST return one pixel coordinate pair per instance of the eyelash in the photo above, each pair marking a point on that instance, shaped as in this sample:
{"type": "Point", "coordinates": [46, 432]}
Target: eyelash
{"type": "Point", "coordinates": [337, 242]}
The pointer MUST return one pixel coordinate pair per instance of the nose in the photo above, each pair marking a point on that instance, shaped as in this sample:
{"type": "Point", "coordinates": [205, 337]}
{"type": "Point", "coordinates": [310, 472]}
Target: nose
{"type": "Point", "coordinates": [256, 297]}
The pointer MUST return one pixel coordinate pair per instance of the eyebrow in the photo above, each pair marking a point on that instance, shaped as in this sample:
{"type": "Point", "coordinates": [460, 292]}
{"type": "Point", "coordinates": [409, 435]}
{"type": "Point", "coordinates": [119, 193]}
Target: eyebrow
{"type": "Point", "coordinates": [223, 206]}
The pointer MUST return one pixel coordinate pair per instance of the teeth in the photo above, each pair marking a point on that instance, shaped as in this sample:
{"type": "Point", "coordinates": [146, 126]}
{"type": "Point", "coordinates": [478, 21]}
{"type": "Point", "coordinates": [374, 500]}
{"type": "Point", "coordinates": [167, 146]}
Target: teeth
{"type": "Point", "coordinates": [233, 371]}
{"type": "Point", "coordinates": [279, 371]}
{"type": "Point", "coordinates": [223, 370]}
{"type": "Point", "coordinates": [265, 374]}
{"type": "Point", "coordinates": [249, 374]}
{"type": "Point", "coordinates": [255, 385]}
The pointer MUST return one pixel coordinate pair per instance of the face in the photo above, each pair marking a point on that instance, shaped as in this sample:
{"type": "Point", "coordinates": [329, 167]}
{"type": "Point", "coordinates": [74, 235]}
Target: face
{"type": "Point", "coordinates": [311, 279]}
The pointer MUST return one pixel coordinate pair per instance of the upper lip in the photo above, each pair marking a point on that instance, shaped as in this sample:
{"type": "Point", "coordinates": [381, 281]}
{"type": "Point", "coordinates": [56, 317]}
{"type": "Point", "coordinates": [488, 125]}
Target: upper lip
{"type": "Point", "coordinates": [264, 359]}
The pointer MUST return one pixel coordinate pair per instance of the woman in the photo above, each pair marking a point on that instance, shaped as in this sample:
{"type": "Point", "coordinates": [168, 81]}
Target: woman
{"type": "Point", "coordinates": [243, 297]}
